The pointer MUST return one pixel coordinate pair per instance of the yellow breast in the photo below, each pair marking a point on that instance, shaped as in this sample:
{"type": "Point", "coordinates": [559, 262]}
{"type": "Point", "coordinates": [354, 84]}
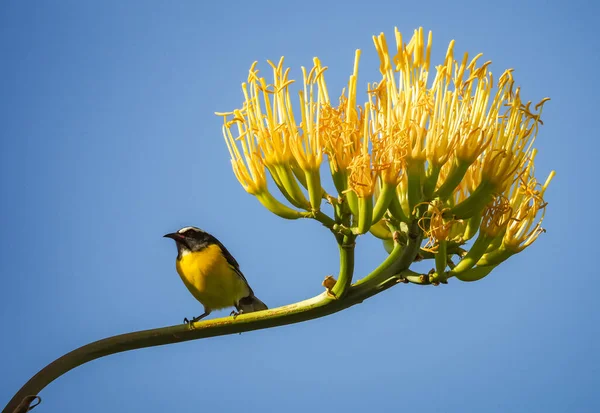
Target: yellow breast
{"type": "Point", "coordinates": [211, 279]}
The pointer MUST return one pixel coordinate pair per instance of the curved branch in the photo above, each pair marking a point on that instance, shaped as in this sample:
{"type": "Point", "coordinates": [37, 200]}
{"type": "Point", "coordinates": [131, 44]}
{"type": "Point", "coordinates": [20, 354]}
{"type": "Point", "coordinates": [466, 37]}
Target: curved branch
{"type": "Point", "coordinates": [318, 306]}
{"type": "Point", "coordinates": [346, 246]}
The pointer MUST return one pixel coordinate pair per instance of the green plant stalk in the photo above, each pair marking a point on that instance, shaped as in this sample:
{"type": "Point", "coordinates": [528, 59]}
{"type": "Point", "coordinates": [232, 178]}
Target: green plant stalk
{"type": "Point", "coordinates": [299, 173]}
{"type": "Point", "coordinates": [475, 202]}
{"type": "Point", "coordinates": [388, 245]}
{"type": "Point", "coordinates": [472, 226]}
{"type": "Point", "coordinates": [323, 218]}
{"type": "Point", "coordinates": [441, 261]}
{"type": "Point", "coordinates": [497, 242]}
{"type": "Point", "coordinates": [340, 180]}
{"type": "Point", "coordinates": [338, 211]}
{"type": "Point", "coordinates": [301, 177]}
{"type": "Point", "coordinates": [346, 247]}
{"type": "Point", "coordinates": [457, 173]}
{"type": "Point", "coordinates": [475, 273]}
{"type": "Point", "coordinates": [290, 184]}
{"type": "Point", "coordinates": [388, 191]}
{"type": "Point", "coordinates": [394, 256]}
{"type": "Point", "coordinates": [431, 179]}
{"type": "Point", "coordinates": [475, 253]}
{"type": "Point", "coordinates": [415, 191]}
{"type": "Point", "coordinates": [396, 210]}
{"type": "Point", "coordinates": [380, 230]}
{"type": "Point", "coordinates": [280, 186]}
{"type": "Point", "coordinates": [352, 200]}
{"type": "Point", "coordinates": [495, 257]}
{"type": "Point", "coordinates": [279, 209]}
{"type": "Point", "coordinates": [399, 259]}
{"type": "Point", "coordinates": [315, 192]}
{"type": "Point", "coordinates": [365, 215]}
{"type": "Point", "coordinates": [414, 277]}
{"type": "Point", "coordinates": [316, 307]}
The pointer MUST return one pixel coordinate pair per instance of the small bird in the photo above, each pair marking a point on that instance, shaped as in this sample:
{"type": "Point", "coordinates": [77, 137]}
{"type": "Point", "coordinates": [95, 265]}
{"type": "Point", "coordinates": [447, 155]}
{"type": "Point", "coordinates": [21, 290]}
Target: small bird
{"type": "Point", "coordinates": [211, 273]}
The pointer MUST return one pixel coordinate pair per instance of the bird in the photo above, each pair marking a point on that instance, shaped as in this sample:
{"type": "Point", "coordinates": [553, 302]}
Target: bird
{"type": "Point", "coordinates": [211, 274]}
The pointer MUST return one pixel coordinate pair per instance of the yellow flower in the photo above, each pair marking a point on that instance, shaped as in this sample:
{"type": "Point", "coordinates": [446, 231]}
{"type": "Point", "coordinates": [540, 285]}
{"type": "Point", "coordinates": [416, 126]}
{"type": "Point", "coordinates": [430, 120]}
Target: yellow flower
{"type": "Point", "coordinates": [341, 127]}
{"type": "Point", "coordinates": [437, 226]}
{"type": "Point", "coordinates": [496, 216]}
{"type": "Point", "coordinates": [307, 146]}
{"type": "Point", "coordinates": [527, 202]}
{"type": "Point", "coordinates": [248, 165]}
{"type": "Point", "coordinates": [388, 140]}
{"type": "Point", "coordinates": [513, 138]}
{"type": "Point", "coordinates": [362, 177]}
{"type": "Point", "coordinates": [404, 107]}
{"type": "Point", "coordinates": [456, 142]}
{"type": "Point", "coordinates": [271, 127]}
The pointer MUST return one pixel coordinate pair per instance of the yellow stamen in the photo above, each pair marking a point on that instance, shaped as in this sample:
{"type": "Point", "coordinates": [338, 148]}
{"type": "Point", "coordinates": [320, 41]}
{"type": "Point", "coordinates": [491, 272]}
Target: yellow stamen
{"type": "Point", "coordinates": [307, 146]}
{"type": "Point", "coordinates": [496, 216]}
{"type": "Point", "coordinates": [437, 225]}
{"type": "Point", "coordinates": [341, 127]}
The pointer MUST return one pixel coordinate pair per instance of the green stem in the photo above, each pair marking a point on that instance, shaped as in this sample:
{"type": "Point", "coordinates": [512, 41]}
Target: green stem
{"type": "Point", "coordinates": [299, 173]}
{"type": "Point", "coordinates": [340, 180]}
{"type": "Point", "coordinates": [346, 247]}
{"type": "Point", "coordinates": [280, 186]}
{"type": "Point", "coordinates": [324, 219]}
{"type": "Point", "coordinates": [388, 191]}
{"type": "Point", "coordinates": [380, 231]}
{"type": "Point", "coordinates": [456, 174]}
{"type": "Point", "coordinates": [475, 253]}
{"type": "Point", "coordinates": [472, 226]}
{"type": "Point", "coordinates": [415, 191]}
{"type": "Point", "coordinates": [352, 201]}
{"type": "Point", "coordinates": [291, 187]}
{"type": "Point", "coordinates": [315, 307]}
{"type": "Point", "coordinates": [399, 259]}
{"type": "Point", "coordinates": [475, 202]}
{"type": "Point", "coordinates": [441, 261]}
{"type": "Point", "coordinates": [315, 193]}
{"type": "Point", "coordinates": [431, 179]}
{"type": "Point", "coordinates": [475, 273]}
{"type": "Point", "coordinates": [495, 257]}
{"type": "Point", "coordinates": [279, 209]}
{"type": "Point", "coordinates": [414, 277]}
{"type": "Point", "coordinates": [497, 242]}
{"type": "Point", "coordinates": [396, 210]}
{"type": "Point", "coordinates": [365, 214]}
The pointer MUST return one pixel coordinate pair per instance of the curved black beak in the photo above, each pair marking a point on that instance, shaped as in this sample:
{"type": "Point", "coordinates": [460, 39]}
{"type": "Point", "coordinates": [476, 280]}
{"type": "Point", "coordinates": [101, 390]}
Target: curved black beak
{"type": "Point", "coordinates": [174, 235]}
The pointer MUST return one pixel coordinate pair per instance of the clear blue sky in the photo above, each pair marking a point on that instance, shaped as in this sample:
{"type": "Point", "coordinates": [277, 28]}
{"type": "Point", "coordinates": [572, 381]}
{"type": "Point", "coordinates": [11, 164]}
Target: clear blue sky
{"type": "Point", "coordinates": [108, 141]}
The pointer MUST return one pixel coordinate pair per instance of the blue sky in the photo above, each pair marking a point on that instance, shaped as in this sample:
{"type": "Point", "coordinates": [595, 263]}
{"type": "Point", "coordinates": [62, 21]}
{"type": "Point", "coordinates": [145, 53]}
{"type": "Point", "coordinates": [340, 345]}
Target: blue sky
{"type": "Point", "coordinates": [108, 141]}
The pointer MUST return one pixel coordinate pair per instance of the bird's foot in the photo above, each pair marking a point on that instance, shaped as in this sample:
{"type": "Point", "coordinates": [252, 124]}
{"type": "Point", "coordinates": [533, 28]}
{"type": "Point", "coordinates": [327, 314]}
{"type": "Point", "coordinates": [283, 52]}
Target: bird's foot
{"type": "Point", "coordinates": [193, 320]}
{"type": "Point", "coordinates": [235, 313]}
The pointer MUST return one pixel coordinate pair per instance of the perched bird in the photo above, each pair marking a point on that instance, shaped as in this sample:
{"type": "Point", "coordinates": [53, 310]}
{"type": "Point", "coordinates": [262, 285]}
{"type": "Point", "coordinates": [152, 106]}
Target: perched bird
{"type": "Point", "coordinates": [211, 273]}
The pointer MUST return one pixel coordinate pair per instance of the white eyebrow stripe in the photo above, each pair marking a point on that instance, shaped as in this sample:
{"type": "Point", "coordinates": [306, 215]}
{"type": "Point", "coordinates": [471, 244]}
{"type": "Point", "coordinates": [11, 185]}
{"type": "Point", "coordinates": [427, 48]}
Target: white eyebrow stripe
{"type": "Point", "coordinates": [182, 230]}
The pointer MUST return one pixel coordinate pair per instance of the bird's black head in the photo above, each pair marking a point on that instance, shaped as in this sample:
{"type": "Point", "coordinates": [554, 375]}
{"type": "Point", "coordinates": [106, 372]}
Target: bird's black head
{"type": "Point", "coordinates": [190, 239]}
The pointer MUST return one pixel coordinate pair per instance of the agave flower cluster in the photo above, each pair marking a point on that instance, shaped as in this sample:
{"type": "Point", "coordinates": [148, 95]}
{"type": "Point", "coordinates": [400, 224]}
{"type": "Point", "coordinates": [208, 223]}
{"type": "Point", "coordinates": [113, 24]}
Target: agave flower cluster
{"type": "Point", "coordinates": [449, 147]}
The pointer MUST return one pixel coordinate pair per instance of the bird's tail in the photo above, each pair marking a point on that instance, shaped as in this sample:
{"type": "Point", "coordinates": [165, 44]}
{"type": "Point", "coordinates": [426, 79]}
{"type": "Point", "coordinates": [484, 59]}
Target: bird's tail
{"type": "Point", "coordinates": [250, 304]}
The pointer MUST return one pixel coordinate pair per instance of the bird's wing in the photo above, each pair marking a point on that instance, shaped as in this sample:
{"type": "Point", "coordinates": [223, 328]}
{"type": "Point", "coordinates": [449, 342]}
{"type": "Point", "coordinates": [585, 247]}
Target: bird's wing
{"type": "Point", "coordinates": [233, 263]}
